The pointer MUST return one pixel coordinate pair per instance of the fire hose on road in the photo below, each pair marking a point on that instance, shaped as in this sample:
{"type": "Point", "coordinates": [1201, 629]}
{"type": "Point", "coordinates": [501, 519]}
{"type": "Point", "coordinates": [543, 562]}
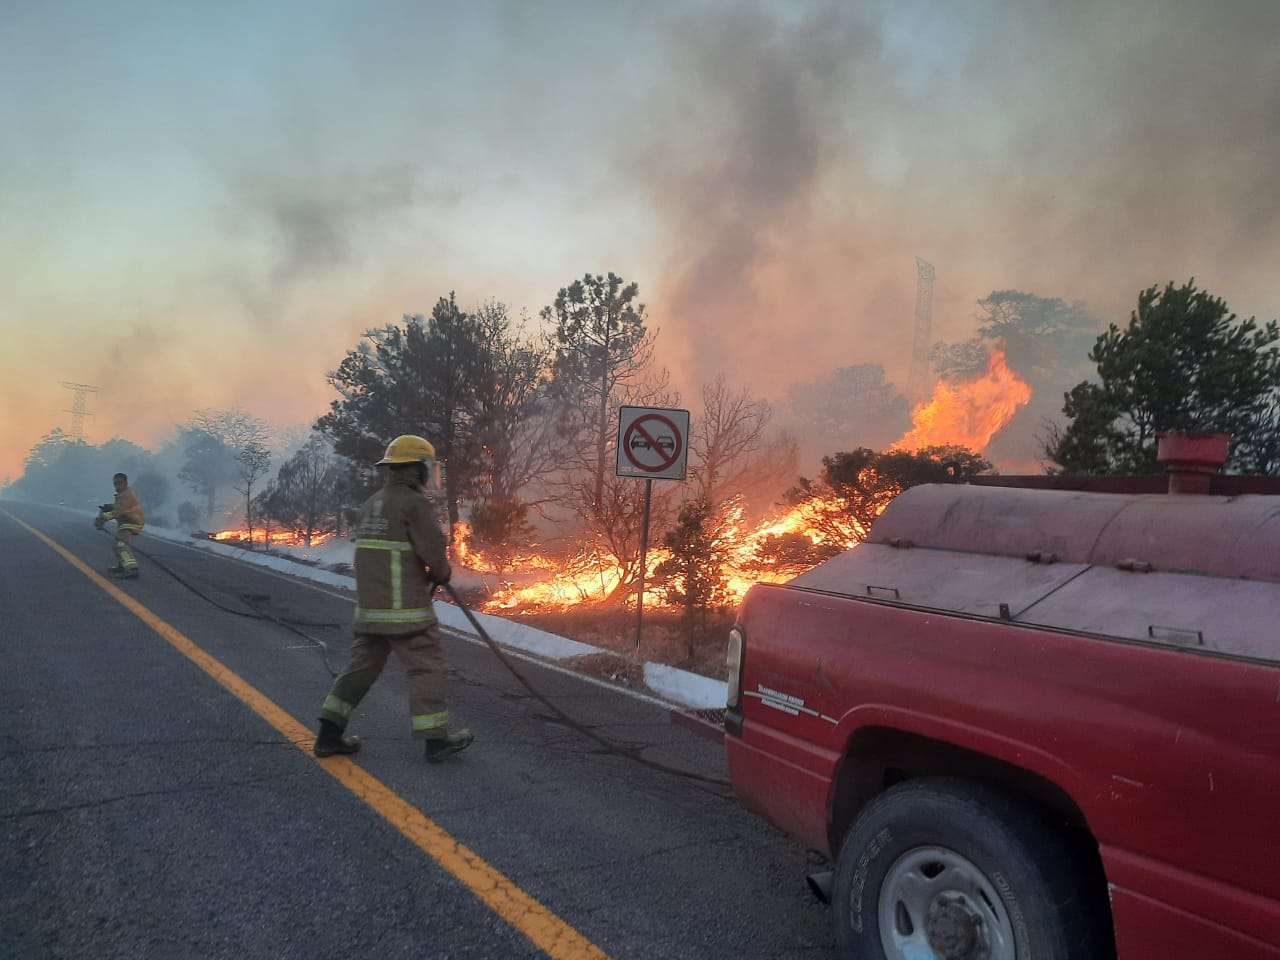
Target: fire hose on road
{"type": "Point", "coordinates": [609, 745]}
{"type": "Point", "coordinates": [288, 623]}
{"type": "Point", "coordinates": [292, 626]}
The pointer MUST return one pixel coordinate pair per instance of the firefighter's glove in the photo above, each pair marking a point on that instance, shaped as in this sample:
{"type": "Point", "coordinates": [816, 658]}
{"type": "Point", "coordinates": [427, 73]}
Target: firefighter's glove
{"type": "Point", "coordinates": [99, 522]}
{"type": "Point", "coordinates": [441, 575]}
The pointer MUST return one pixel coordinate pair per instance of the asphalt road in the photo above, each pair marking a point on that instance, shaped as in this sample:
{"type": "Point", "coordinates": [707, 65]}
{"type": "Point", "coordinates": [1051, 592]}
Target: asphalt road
{"type": "Point", "coordinates": [147, 812]}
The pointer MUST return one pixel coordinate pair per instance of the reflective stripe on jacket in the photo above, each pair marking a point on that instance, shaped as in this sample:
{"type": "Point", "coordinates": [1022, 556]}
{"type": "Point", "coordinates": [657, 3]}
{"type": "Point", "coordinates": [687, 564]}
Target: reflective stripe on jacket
{"type": "Point", "coordinates": [127, 510]}
{"type": "Point", "coordinates": [397, 542]}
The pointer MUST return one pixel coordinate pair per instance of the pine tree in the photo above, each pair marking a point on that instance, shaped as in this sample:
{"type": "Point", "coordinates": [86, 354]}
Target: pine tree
{"type": "Point", "coordinates": [1184, 362]}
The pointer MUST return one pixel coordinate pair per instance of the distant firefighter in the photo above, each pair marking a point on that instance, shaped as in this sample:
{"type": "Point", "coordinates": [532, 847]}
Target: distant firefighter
{"type": "Point", "coordinates": [126, 511]}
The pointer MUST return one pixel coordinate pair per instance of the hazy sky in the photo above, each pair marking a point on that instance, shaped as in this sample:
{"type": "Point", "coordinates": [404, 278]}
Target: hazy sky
{"type": "Point", "coordinates": [205, 204]}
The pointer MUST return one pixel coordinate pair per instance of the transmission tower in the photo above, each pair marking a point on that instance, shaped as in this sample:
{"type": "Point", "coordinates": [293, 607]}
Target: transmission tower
{"type": "Point", "coordinates": [920, 379]}
{"type": "Point", "coordinates": [79, 408]}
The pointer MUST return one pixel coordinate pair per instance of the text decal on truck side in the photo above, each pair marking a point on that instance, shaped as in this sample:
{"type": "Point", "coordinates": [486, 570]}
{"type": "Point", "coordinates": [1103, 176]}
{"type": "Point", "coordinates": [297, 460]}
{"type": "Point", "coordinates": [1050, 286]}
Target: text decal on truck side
{"type": "Point", "coordinates": [784, 702]}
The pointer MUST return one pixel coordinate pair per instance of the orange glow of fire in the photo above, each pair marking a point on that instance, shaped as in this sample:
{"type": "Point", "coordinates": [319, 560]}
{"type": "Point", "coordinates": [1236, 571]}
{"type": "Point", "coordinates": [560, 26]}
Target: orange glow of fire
{"type": "Point", "coordinates": [592, 578]}
{"type": "Point", "coordinates": [968, 414]}
{"type": "Point", "coordinates": [473, 558]}
{"type": "Point", "coordinates": [964, 414]}
{"type": "Point", "coordinates": [588, 578]}
{"type": "Point", "coordinates": [278, 538]}
{"type": "Point", "coordinates": [746, 567]}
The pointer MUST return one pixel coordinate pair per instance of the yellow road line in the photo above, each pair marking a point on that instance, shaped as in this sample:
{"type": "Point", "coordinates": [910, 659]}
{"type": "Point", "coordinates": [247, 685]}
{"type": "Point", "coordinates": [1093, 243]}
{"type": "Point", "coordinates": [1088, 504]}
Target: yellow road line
{"type": "Point", "coordinates": [546, 930]}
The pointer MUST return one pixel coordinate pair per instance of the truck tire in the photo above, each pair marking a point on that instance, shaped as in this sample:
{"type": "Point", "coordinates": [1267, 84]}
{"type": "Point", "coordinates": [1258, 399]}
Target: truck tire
{"type": "Point", "coordinates": [942, 869]}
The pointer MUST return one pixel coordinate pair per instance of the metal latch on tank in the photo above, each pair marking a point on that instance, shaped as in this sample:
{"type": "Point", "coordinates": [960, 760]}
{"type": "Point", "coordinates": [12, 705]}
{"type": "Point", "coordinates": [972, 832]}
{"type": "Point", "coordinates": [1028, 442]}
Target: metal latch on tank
{"type": "Point", "coordinates": [1179, 635]}
{"type": "Point", "coordinates": [1134, 566]}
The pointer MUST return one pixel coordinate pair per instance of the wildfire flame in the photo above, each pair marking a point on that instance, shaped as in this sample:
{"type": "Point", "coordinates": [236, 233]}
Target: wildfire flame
{"type": "Point", "coordinates": [964, 414]}
{"type": "Point", "coordinates": [277, 538]}
{"type": "Point", "coordinates": [590, 578]}
{"type": "Point", "coordinates": [968, 414]}
{"type": "Point", "coordinates": [746, 565]}
{"type": "Point", "coordinates": [584, 579]}
{"type": "Point", "coordinates": [470, 556]}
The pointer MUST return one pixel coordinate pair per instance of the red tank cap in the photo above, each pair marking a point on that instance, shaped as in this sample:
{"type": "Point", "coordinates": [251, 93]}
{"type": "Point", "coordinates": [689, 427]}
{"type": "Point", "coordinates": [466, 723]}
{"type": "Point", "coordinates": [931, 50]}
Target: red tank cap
{"type": "Point", "coordinates": [1191, 459]}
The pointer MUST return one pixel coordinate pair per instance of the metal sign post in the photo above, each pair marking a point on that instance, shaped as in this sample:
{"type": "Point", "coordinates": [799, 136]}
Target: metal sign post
{"type": "Point", "coordinates": [644, 563]}
{"type": "Point", "coordinates": [653, 444]}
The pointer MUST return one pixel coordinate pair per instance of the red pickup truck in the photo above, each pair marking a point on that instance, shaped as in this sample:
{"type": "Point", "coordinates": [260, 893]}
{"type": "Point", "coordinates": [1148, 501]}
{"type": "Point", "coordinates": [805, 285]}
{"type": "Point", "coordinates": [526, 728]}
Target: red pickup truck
{"type": "Point", "coordinates": [1029, 725]}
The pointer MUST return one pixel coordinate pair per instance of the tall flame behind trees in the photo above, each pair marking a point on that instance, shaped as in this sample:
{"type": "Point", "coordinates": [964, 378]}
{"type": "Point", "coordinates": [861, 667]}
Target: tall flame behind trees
{"type": "Point", "coordinates": [970, 413]}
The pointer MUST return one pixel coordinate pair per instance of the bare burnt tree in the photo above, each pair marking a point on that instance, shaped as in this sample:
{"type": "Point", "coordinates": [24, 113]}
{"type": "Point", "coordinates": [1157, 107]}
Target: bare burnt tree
{"type": "Point", "coordinates": [252, 462]}
{"type": "Point", "coordinates": [215, 440]}
{"type": "Point", "coordinates": [732, 450]}
{"type": "Point", "coordinates": [234, 427]}
{"type": "Point", "coordinates": [309, 492]}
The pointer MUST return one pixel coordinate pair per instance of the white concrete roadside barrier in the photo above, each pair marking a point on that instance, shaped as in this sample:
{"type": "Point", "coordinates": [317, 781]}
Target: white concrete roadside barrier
{"type": "Point", "coordinates": [689, 689]}
{"type": "Point", "coordinates": [518, 635]}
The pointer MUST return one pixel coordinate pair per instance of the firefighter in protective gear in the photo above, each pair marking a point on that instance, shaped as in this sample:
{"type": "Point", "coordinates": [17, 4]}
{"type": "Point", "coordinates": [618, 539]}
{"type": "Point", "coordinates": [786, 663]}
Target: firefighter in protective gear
{"type": "Point", "coordinates": [126, 511]}
{"type": "Point", "coordinates": [400, 558]}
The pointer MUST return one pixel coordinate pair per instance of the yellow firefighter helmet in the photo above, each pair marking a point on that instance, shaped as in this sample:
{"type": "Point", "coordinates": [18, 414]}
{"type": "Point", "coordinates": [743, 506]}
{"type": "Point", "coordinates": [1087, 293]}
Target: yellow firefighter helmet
{"type": "Point", "coordinates": [408, 448]}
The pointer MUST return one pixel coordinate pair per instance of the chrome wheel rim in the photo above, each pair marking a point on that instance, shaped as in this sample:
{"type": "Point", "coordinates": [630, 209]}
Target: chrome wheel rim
{"type": "Point", "coordinates": [936, 905]}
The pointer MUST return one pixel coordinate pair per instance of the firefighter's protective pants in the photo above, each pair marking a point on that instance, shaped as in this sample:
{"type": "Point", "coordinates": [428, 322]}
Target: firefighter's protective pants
{"type": "Point", "coordinates": [125, 532]}
{"type": "Point", "coordinates": [424, 663]}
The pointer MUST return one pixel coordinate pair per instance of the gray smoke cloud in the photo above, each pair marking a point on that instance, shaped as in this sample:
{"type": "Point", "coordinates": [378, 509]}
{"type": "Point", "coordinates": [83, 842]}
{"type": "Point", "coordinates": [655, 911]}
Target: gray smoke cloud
{"type": "Point", "coordinates": [311, 223]}
{"type": "Point", "coordinates": [1082, 150]}
{"type": "Point", "coordinates": [745, 139]}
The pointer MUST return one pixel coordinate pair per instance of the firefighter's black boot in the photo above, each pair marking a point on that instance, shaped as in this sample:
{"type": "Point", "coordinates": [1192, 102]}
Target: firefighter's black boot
{"type": "Point", "coordinates": [330, 741]}
{"type": "Point", "coordinates": [437, 749]}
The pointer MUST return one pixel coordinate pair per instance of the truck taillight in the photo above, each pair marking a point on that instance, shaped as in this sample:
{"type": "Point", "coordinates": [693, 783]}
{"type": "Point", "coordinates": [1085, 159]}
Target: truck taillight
{"type": "Point", "coordinates": [734, 660]}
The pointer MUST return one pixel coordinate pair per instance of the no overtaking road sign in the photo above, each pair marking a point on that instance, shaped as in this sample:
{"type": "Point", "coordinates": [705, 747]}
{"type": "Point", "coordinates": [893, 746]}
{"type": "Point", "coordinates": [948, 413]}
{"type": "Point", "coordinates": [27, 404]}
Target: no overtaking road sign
{"type": "Point", "coordinates": [653, 443]}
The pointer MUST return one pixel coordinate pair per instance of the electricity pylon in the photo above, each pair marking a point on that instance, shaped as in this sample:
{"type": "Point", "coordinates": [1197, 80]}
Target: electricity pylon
{"type": "Point", "coordinates": [920, 378]}
{"type": "Point", "coordinates": [79, 408]}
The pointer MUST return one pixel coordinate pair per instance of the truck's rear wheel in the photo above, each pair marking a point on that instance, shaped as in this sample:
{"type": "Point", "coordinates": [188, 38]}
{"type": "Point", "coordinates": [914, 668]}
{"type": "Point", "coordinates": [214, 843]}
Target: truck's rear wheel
{"type": "Point", "coordinates": [938, 869]}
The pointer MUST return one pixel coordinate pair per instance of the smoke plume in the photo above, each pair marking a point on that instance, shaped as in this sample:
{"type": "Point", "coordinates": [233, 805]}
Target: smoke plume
{"type": "Point", "coordinates": [1079, 150]}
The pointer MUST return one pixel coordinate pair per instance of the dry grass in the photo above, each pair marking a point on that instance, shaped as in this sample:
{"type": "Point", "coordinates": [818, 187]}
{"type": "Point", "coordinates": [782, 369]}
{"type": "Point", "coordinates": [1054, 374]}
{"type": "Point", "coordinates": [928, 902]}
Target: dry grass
{"type": "Point", "coordinates": [613, 667]}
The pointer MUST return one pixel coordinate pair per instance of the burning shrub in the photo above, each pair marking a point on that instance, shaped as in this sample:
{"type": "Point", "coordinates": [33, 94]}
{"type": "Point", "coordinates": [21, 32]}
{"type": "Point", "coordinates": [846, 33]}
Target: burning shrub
{"type": "Point", "coordinates": [497, 527]}
{"type": "Point", "coordinates": [857, 485]}
{"type": "Point", "coordinates": [791, 550]}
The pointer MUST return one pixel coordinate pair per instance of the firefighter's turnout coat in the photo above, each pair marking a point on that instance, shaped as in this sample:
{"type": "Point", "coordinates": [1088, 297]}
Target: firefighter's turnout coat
{"type": "Point", "coordinates": [397, 542]}
{"type": "Point", "coordinates": [399, 553]}
{"type": "Point", "coordinates": [127, 511]}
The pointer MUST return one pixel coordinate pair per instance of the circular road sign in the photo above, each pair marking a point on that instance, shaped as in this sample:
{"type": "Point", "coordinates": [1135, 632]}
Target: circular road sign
{"type": "Point", "coordinates": [652, 443]}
